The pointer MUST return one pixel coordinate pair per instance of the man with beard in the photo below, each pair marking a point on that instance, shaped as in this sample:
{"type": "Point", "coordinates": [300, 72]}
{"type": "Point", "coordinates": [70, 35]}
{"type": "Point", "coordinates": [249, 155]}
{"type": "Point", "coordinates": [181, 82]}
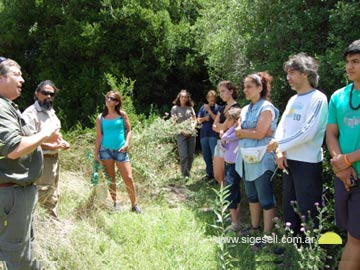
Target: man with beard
{"type": "Point", "coordinates": [38, 115]}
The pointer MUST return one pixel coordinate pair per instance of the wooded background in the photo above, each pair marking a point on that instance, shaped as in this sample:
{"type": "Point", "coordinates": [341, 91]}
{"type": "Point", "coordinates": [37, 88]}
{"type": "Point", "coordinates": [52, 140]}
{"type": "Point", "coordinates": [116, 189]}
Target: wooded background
{"type": "Point", "coordinates": [154, 48]}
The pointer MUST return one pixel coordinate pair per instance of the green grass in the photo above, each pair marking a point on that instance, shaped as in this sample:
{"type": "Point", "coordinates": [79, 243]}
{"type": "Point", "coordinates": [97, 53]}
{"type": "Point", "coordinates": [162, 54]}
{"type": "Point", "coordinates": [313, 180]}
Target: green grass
{"type": "Point", "coordinates": [159, 239]}
{"type": "Point", "coordinates": [174, 232]}
{"type": "Point", "coordinates": [169, 235]}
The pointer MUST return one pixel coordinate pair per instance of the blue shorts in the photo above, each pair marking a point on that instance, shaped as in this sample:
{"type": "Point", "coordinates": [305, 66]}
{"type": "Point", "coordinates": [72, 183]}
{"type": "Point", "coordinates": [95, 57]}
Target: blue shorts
{"type": "Point", "coordinates": [218, 151]}
{"type": "Point", "coordinates": [107, 153]}
{"type": "Point", "coordinates": [261, 190]}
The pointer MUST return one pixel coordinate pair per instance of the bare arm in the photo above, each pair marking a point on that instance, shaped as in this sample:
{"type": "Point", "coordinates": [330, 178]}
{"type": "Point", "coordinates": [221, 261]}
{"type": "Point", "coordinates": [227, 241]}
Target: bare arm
{"type": "Point", "coordinates": [128, 133]}
{"type": "Point", "coordinates": [59, 144]}
{"type": "Point", "coordinates": [29, 143]}
{"type": "Point", "coordinates": [342, 170]}
{"type": "Point", "coordinates": [332, 134]}
{"type": "Point", "coordinates": [203, 119]}
{"type": "Point", "coordinates": [98, 138]}
{"type": "Point", "coordinates": [332, 139]}
{"type": "Point", "coordinates": [220, 127]}
{"type": "Point", "coordinates": [211, 114]}
{"type": "Point", "coordinates": [261, 130]}
{"type": "Point", "coordinates": [216, 125]}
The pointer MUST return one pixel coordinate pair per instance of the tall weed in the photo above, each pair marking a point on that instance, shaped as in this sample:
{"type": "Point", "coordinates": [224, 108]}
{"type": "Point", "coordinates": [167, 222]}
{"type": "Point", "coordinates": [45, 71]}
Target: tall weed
{"type": "Point", "coordinates": [221, 211]}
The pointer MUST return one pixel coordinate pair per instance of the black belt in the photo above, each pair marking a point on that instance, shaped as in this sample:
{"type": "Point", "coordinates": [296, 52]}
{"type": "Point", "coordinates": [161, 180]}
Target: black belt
{"type": "Point", "coordinates": [51, 155]}
{"type": "Point", "coordinates": [14, 185]}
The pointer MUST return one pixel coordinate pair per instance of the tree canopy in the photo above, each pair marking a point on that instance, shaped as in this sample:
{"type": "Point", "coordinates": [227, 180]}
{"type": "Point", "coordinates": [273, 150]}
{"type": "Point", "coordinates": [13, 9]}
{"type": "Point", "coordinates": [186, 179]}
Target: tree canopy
{"type": "Point", "coordinates": [163, 46]}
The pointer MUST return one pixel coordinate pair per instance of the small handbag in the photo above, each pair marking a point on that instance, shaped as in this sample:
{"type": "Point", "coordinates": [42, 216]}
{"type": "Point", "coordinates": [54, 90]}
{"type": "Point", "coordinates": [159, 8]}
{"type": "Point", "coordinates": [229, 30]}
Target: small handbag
{"type": "Point", "coordinates": [253, 154]}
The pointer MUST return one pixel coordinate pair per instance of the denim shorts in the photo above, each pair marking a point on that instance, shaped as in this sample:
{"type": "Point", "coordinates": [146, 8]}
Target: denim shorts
{"type": "Point", "coordinates": [107, 153]}
{"type": "Point", "coordinates": [218, 151]}
{"type": "Point", "coordinates": [261, 190]}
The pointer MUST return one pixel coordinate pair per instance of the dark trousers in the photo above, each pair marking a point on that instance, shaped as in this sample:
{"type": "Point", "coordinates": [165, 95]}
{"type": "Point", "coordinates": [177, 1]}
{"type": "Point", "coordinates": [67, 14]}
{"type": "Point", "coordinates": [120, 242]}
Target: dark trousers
{"type": "Point", "coordinates": [303, 184]}
{"type": "Point", "coordinates": [232, 179]}
{"type": "Point", "coordinates": [16, 213]}
{"type": "Point", "coordinates": [186, 147]}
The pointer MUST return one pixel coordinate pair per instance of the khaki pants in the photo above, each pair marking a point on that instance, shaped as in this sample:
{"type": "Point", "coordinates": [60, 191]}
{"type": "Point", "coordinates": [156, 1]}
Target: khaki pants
{"type": "Point", "coordinates": [48, 185]}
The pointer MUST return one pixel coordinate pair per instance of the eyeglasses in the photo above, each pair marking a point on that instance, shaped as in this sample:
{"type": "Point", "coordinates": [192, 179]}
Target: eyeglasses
{"type": "Point", "coordinates": [111, 99]}
{"type": "Point", "coordinates": [46, 93]}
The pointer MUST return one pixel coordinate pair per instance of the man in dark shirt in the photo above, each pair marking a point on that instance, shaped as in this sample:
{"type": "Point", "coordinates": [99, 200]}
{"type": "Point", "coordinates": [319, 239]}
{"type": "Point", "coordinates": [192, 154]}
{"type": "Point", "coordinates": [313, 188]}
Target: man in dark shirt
{"type": "Point", "coordinates": [20, 165]}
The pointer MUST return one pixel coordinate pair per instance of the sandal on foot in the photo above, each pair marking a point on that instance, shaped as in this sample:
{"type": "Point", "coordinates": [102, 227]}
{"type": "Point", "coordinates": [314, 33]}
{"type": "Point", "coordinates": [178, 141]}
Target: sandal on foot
{"type": "Point", "coordinates": [262, 243]}
{"type": "Point", "coordinates": [259, 245]}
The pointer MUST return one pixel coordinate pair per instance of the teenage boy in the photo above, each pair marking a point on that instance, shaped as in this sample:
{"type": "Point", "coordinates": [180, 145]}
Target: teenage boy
{"type": "Point", "coordinates": [343, 141]}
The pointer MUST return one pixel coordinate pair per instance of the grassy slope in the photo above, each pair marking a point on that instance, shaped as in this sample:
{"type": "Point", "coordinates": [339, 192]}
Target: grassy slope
{"type": "Point", "coordinates": [173, 232]}
{"type": "Point", "coordinates": [169, 235]}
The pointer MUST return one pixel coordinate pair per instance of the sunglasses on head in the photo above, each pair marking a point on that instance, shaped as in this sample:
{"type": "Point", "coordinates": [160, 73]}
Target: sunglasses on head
{"type": "Point", "coordinates": [111, 98]}
{"type": "Point", "coordinates": [46, 93]}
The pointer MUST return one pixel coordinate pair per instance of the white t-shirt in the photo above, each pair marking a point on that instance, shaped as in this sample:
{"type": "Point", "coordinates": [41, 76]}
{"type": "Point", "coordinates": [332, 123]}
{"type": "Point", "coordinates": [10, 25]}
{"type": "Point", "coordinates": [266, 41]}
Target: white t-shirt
{"type": "Point", "coordinates": [301, 130]}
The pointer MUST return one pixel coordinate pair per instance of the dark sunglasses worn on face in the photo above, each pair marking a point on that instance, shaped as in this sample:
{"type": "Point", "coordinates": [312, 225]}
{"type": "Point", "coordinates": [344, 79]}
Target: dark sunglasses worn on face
{"type": "Point", "coordinates": [46, 93]}
{"type": "Point", "coordinates": [111, 99]}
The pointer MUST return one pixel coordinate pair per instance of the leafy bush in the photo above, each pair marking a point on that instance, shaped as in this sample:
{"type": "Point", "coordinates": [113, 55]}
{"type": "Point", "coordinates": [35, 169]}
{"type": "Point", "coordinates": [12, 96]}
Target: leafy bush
{"type": "Point", "coordinates": [153, 151]}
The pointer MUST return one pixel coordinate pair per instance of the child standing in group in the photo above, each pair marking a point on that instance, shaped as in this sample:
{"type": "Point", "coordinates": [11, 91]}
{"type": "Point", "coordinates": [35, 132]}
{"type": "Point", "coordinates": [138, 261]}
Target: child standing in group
{"type": "Point", "coordinates": [230, 144]}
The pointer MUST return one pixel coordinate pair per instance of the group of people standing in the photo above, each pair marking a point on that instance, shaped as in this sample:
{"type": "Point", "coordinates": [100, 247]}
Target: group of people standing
{"type": "Point", "coordinates": [238, 144]}
{"type": "Point", "coordinates": [250, 144]}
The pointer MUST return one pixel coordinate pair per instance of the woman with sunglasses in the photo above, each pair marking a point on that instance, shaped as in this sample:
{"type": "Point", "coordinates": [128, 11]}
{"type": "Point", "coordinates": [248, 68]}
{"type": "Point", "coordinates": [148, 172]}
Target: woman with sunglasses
{"type": "Point", "coordinates": [113, 135]}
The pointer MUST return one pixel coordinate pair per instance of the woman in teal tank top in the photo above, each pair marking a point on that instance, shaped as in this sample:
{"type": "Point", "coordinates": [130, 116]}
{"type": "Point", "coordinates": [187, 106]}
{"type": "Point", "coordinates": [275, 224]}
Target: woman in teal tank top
{"type": "Point", "coordinates": [113, 135]}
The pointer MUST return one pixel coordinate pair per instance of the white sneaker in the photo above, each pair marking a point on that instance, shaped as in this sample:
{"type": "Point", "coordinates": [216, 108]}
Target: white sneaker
{"type": "Point", "coordinates": [117, 207]}
{"type": "Point", "coordinates": [234, 227]}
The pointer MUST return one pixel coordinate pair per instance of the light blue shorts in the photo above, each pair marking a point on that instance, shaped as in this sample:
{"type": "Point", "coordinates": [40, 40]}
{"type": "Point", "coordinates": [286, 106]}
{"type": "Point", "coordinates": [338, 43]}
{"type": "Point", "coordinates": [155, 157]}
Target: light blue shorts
{"type": "Point", "coordinates": [218, 151]}
{"type": "Point", "coordinates": [107, 153]}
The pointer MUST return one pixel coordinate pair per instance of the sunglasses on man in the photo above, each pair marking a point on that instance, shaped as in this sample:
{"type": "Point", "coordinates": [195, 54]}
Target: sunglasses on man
{"type": "Point", "coordinates": [46, 93]}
